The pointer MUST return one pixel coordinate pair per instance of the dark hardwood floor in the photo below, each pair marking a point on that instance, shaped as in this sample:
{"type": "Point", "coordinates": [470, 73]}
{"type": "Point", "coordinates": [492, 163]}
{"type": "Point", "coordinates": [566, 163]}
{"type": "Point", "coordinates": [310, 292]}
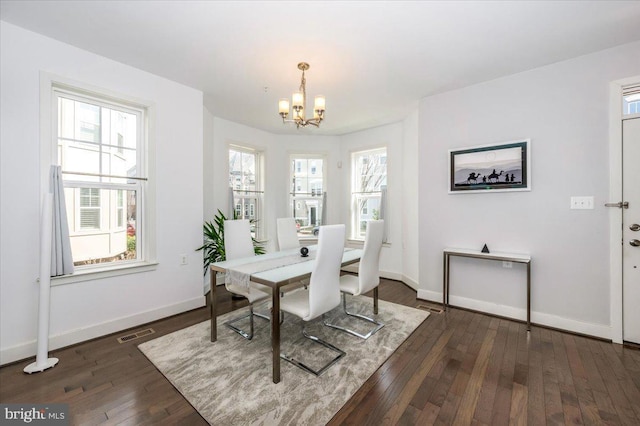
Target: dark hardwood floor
{"type": "Point", "coordinates": [458, 367]}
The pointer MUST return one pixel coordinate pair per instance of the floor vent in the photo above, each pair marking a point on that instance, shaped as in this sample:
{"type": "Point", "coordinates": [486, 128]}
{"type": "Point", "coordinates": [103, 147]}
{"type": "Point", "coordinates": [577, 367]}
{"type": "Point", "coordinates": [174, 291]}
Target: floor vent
{"type": "Point", "coordinates": [136, 335]}
{"type": "Point", "coordinates": [430, 309]}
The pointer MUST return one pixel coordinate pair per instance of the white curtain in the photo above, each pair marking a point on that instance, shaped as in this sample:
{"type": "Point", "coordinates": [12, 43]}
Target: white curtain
{"type": "Point", "coordinates": [61, 259]}
{"type": "Point", "coordinates": [383, 209]}
{"type": "Point", "coordinates": [232, 206]}
{"type": "Point", "coordinates": [323, 216]}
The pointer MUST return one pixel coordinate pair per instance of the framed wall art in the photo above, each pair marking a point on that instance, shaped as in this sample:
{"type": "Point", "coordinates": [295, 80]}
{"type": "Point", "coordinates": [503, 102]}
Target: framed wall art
{"type": "Point", "coordinates": [491, 168]}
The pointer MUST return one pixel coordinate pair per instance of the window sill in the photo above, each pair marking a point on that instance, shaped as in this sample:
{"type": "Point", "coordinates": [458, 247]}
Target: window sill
{"type": "Point", "coordinates": [100, 273]}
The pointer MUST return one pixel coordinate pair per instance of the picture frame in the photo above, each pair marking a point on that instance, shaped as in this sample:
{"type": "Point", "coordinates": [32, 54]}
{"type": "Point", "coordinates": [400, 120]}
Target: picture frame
{"type": "Point", "coordinates": [500, 167]}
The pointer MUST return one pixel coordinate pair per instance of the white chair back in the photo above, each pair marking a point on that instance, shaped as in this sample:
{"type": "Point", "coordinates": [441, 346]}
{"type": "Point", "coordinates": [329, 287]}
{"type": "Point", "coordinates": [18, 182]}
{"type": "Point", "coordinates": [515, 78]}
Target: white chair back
{"type": "Point", "coordinates": [287, 234]}
{"type": "Point", "coordinates": [369, 269]}
{"type": "Point", "coordinates": [237, 239]}
{"type": "Point", "coordinates": [324, 284]}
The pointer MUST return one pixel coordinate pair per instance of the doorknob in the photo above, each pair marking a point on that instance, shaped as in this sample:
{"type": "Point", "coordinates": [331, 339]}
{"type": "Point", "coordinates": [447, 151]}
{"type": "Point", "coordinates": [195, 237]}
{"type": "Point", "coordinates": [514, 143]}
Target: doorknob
{"type": "Point", "coordinates": [634, 227]}
{"type": "Point", "coordinates": [635, 243]}
{"type": "Point", "coordinates": [620, 205]}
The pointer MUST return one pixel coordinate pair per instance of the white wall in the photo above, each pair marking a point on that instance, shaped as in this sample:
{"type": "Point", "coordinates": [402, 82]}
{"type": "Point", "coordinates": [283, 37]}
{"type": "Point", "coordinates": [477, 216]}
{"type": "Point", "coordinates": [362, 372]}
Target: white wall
{"type": "Point", "coordinates": [409, 202]}
{"type": "Point", "coordinates": [563, 108]}
{"type": "Point", "coordinates": [88, 309]}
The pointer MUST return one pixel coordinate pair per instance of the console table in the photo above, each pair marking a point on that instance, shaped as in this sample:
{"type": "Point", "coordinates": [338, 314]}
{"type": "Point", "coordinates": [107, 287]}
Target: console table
{"type": "Point", "coordinates": [477, 254]}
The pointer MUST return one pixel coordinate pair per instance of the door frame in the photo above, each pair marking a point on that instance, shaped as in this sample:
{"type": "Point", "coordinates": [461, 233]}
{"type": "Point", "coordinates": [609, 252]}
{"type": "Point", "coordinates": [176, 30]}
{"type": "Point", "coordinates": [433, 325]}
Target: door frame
{"type": "Point", "coordinates": [615, 195]}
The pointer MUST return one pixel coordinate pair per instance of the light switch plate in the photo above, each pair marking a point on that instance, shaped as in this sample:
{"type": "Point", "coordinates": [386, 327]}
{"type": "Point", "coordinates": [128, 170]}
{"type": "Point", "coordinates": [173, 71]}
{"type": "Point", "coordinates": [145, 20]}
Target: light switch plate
{"type": "Point", "coordinates": [582, 203]}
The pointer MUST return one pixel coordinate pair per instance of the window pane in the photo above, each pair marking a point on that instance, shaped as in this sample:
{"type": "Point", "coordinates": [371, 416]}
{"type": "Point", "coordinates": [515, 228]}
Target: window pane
{"type": "Point", "coordinates": [87, 122]}
{"type": "Point", "coordinates": [96, 140]}
{"type": "Point", "coordinates": [97, 228]}
{"type": "Point", "coordinates": [123, 129]}
{"type": "Point", "coordinates": [369, 175]}
{"type": "Point", "coordinates": [79, 157]}
{"type": "Point", "coordinates": [371, 171]}
{"type": "Point", "coordinates": [242, 170]}
{"type": "Point", "coordinates": [66, 118]}
{"type": "Point", "coordinates": [118, 162]}
{"type": "Point", "coordinates": [631, 104]}
{"type": "Point", "coordinates": [78, 120]}
{"type": "Point", "coordinates": [243, 179]}
{"type": "Point", "coordinates": [307, 185]}
{"type": "Point", "coordinates": [99, 138]}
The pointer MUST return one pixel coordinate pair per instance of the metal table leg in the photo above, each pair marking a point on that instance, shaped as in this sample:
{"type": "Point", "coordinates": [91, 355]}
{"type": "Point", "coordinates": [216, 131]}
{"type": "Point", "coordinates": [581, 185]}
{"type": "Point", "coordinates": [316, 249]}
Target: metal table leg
{"type": "Point", "coordinates": [213, 307]}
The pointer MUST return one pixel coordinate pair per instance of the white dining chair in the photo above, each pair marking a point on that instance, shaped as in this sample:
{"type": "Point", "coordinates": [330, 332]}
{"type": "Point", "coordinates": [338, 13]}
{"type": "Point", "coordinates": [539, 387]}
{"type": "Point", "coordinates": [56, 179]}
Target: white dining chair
{"type": "Point", "coordinates": [322, 294]}
{"type": "Point", "coordinates": [368, 277]}
{"type": "Point", "coordinates": [238, 244]}
{"type": "Point", "coordinates": [287, 233]}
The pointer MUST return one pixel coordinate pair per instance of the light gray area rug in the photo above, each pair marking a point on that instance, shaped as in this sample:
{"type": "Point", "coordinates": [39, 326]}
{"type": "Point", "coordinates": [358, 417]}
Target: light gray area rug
{"type": "Point", "coordinates": [229, 381]}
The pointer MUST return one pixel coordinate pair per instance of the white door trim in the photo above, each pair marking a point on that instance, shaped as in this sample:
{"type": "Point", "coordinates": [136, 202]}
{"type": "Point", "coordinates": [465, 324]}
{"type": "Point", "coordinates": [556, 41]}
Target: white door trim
{"type": "Point", "coordinates": [615, 195]}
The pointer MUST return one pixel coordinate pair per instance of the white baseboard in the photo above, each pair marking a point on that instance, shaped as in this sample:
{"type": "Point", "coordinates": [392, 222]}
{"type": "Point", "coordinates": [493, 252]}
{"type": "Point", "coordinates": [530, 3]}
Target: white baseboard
{"type": "Point", "coordinates": [411, 283]}
{"type": "Point", "coordinates": [391, 275]}
{"type": "Point", "coordinates": [549, 320]}
{"type": "Point", "coordinates": [28, 349]}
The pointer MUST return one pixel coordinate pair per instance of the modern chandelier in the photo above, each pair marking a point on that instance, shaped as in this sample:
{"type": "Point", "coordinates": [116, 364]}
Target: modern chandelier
{"type": "Point", "coordinates": [298, 101]}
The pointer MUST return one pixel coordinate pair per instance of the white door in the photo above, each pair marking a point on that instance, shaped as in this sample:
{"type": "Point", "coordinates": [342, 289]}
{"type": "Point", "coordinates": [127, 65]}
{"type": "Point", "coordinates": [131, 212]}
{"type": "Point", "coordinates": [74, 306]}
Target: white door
{"type": "Point", "coordinates": [631, 229]}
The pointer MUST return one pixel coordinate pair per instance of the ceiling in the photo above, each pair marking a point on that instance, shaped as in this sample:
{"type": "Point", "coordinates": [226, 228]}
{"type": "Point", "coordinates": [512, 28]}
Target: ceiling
{"type": "Point", "coordinates": [373, 60]}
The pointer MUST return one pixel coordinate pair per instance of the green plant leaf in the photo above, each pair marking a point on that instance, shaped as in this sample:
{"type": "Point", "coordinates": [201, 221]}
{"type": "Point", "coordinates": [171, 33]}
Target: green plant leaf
{"type": "Point", "coordinates": [213, 241]}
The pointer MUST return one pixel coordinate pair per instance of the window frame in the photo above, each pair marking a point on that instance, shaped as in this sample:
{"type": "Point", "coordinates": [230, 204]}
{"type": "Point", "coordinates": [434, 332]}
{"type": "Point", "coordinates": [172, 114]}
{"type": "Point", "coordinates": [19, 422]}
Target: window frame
{"type": "Point", "coordinates": [316, 196]}
{"type": "Point", "coordinates": [259, 229]}
{"type": "Point", "coordinates": [49, 153]}
{"type": "Point", "coordinates": [357, 196]}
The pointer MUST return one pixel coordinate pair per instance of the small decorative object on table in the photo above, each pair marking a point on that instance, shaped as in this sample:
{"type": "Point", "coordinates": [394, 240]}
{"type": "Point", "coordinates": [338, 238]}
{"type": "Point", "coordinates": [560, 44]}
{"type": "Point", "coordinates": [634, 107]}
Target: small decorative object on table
{"type": "Point", "coordinates": [304, 252]}
{"type": "Point", "coordinates": [485, 249]}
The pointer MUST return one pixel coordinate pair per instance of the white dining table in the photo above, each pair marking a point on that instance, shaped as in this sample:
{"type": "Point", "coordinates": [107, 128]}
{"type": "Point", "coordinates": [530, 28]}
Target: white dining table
{"type": "Point", "coordinates": [275, 278]}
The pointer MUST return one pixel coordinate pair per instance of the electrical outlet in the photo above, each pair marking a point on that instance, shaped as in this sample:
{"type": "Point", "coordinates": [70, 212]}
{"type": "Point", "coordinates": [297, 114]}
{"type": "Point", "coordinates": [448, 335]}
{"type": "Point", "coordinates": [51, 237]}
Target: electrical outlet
{"type": "Point", "coordinates": [507, 264]}
{"type": "Point", "coordinates": [582, 203]}
{"type": "Point", "coordinates": [184, 260]}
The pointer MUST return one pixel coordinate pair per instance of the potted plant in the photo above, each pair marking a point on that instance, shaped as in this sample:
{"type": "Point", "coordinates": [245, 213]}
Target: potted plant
{"type": "Point", "coordinates": [213, 247]}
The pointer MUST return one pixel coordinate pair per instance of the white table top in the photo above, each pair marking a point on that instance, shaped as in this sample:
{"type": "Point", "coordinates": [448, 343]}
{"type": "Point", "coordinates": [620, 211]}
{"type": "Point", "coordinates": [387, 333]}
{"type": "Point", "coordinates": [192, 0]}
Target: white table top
{"type": "Point", "coordinates": [283, 274]}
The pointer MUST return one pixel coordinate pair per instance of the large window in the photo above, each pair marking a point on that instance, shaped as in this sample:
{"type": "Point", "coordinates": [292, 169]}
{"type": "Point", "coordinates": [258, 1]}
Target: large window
{"type": "Point", "coordinates": [101, 151]}
{"type": "Point", "coordinates": [369, 175]}
{"type": "Point", "coordinates": [306, 193]}
{"type": "Point", "coordinates": [245, 180]}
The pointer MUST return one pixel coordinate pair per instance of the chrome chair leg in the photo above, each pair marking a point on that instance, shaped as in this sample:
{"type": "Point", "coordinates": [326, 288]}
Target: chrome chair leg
{"type": "Point", "coordinates": [326, 344]}
{"type": "Point", "coordinates": [250, 315]}
{"type": "Point", "coordinates": [378, 325]}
